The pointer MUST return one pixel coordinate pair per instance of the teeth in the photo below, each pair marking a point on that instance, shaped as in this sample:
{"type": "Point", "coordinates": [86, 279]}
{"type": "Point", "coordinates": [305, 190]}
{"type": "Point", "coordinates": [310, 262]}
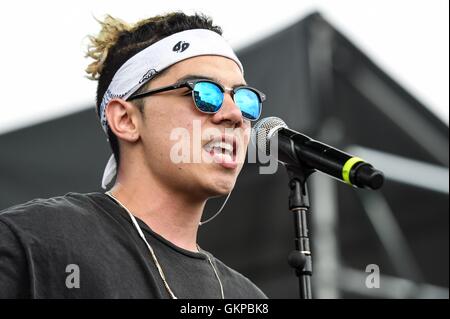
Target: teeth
{"type": "Point", "coordinates": [222, 151]}
{"type": "Point", "coordinates": [225, 157]}
{"type": "Point", "coordinates": [220, 147]}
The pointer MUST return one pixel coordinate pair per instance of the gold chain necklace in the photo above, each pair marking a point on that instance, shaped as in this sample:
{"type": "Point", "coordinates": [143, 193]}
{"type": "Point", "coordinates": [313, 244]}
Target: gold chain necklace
{"type": "Point", "coordinates": [155, 260]}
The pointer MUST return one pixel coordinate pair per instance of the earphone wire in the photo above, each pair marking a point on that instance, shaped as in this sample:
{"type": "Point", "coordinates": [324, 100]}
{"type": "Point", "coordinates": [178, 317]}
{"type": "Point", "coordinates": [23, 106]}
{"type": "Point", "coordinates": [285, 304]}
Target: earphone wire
{"type": "Point", "coordinates": [218, 212]}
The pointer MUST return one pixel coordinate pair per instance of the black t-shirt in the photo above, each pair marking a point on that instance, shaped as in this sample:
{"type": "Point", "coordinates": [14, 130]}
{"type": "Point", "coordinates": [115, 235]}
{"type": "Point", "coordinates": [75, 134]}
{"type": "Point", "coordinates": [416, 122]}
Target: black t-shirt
{"type": "Point", "coordinates": [85, 246]}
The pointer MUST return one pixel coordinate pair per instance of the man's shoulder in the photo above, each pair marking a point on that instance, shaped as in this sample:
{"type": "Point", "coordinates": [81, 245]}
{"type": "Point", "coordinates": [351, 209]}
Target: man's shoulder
{"type": "Point", "coordinates": [31, 214]}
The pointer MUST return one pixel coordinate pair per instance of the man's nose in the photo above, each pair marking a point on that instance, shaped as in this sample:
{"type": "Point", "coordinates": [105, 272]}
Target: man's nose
{"type": "Point", "coordinates": [229, 112]}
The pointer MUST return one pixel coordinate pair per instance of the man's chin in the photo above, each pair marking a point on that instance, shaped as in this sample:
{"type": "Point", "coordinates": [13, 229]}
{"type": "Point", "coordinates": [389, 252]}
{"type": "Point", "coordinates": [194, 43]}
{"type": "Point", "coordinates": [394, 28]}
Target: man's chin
{"type": "Point", "coordinates": [216, 195]}
{"type": "Point", "coordinates": [221, 188]}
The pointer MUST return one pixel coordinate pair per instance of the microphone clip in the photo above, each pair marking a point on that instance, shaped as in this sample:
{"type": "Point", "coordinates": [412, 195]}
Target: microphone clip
{"type": "Point", "coordinates": [298, 175]}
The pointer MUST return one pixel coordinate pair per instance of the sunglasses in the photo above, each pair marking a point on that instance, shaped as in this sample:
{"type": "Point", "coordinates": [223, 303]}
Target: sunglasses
{"type": "Point", "coordinates": [208, 96]}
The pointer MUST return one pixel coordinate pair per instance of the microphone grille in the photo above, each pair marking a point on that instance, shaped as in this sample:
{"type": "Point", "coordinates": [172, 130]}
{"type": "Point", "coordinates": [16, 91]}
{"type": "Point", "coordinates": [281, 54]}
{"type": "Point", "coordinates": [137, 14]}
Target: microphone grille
{"type": "Point", "coordinates": [261, 131]}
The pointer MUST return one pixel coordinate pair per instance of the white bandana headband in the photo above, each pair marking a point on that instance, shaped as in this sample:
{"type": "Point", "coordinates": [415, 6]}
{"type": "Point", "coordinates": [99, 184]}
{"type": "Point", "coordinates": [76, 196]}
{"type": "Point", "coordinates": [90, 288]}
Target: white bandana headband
{"type": "Point", "coordinates": [146, 64]}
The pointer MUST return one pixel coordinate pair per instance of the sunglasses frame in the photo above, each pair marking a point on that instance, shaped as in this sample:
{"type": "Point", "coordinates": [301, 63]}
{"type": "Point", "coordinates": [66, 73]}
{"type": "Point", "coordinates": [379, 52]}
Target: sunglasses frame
{"type": "Point", "coordinates": [191, 85]}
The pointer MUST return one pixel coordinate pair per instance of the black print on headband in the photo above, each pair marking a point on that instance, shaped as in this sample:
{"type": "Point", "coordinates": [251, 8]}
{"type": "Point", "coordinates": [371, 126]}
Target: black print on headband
{"type": "Point", "coordinates": [147, 76]}
{"type": "Point", "coordinates": [180, 47]}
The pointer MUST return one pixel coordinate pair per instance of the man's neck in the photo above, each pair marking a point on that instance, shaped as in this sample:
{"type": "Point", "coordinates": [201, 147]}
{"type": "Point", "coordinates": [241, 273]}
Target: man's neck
{"type": "Point", "coordinates": [170, 214]}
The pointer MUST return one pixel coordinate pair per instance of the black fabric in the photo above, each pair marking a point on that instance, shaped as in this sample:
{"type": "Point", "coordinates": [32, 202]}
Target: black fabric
{"type": "Point", "coordinates": [41, 238]}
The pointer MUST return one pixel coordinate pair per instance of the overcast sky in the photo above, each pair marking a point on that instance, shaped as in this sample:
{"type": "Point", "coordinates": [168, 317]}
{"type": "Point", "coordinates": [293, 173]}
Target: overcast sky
{"type": "Point", "coordinates": [43, 43]}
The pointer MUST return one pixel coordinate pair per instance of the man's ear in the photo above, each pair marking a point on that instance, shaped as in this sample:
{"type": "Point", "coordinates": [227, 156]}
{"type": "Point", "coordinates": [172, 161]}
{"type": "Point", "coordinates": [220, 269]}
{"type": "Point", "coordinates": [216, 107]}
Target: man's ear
{"type": "Point", "coordinates": [123, 119]}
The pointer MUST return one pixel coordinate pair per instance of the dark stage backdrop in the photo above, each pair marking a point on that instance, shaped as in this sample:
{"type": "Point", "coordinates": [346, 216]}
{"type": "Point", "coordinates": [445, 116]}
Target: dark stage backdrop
{"type": "Point", "coordinates": [322, 85]}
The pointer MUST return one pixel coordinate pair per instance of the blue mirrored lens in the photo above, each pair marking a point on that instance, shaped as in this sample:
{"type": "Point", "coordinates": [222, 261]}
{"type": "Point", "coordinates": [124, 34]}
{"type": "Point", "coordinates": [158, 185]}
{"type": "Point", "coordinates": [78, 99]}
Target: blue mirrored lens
{"type": "Point", "coordinates": [248, 102]}
{"type": "Point", "coordinates": [207, 96]}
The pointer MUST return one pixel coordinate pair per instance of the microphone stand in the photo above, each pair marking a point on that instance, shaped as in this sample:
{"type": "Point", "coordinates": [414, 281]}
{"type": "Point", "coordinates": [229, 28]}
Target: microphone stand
{"type": "Point", "coordinates": [300, 258]}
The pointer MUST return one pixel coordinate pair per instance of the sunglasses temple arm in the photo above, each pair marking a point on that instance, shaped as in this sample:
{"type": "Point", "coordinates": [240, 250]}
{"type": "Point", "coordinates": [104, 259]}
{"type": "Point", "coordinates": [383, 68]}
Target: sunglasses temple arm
{"type": "Point", "coordinates": [158, 90]}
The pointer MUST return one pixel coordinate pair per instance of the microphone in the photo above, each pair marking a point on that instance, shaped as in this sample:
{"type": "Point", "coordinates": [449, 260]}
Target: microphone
{"type": "Point", "coordinates": [298, 149]}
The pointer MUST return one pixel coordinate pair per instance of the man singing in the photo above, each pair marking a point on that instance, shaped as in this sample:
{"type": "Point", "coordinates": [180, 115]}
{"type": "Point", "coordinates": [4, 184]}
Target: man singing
{"type": "Point", "coordinates": [175, 106]}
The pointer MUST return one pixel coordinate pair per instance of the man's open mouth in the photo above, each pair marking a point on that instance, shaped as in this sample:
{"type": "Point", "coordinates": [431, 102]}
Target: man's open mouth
{"type": "Point", "coordinates": [223, 149]}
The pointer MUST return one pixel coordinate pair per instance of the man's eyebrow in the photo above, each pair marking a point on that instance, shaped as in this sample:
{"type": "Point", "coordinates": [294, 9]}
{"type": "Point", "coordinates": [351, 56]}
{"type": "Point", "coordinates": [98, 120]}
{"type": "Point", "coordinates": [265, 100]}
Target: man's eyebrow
{"type": "Point", "coordinates": [199, 77]}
